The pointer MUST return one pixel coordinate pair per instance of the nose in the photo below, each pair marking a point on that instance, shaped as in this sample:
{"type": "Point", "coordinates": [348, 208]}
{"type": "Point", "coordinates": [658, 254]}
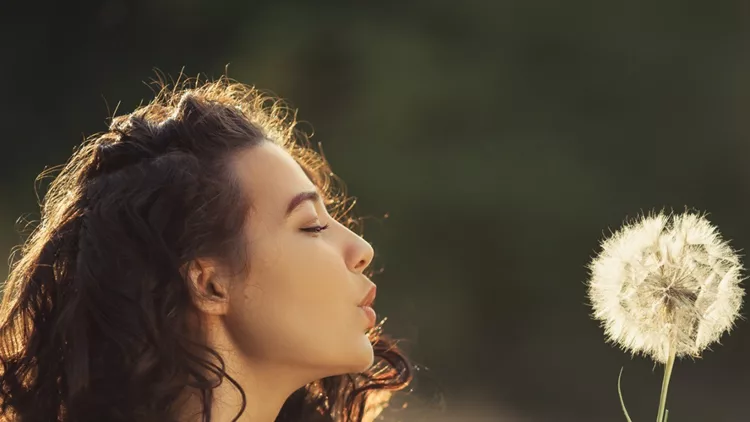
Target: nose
{"type": "Point", "coordinates": [359, 254]}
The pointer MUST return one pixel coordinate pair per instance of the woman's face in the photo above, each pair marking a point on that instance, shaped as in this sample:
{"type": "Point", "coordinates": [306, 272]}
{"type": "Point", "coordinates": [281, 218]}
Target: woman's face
{"type": "Point", "coordinates": [299, 305]}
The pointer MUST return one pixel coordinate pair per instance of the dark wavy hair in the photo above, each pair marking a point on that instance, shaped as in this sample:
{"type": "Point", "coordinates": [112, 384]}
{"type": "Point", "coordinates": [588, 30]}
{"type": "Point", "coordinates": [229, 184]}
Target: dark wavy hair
{"type": "Point", "coordinates": [95, 317]}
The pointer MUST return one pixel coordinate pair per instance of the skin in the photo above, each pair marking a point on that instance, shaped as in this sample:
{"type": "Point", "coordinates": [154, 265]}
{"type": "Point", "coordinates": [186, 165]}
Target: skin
{"type": "Point", "coordinates": [294, 318]}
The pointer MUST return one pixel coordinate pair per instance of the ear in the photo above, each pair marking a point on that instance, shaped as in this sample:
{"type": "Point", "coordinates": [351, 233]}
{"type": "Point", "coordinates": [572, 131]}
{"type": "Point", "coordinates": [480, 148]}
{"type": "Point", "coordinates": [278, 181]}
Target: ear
{"type": "Point", "coordinates": [210, 290]}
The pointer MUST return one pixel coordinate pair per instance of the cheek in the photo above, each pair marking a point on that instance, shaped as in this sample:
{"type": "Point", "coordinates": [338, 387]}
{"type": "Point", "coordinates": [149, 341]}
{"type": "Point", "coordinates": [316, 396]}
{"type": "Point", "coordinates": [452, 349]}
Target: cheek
{"type": "Point", "coordinates": [308, 285]}
{"type": "Point", "coordinates": [298, 298]}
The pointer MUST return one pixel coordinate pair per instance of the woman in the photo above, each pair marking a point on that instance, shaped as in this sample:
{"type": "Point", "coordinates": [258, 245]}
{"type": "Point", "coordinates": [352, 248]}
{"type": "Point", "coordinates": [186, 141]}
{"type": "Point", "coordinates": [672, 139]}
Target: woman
{"type": "Point", "coordinates": [195, 263]}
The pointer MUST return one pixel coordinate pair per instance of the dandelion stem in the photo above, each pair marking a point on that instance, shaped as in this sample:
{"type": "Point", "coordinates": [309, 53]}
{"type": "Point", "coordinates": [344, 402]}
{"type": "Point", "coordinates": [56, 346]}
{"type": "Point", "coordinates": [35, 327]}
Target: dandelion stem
{"type": "Point", "coordinates": [622, 402]}
{"type": "Point", "coordinates": [661, 417]}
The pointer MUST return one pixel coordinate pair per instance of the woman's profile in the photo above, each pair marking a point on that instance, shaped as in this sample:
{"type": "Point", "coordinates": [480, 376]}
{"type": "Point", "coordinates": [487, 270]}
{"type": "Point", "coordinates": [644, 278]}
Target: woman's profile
{"type": "Point", "coordinates": [195, 262]}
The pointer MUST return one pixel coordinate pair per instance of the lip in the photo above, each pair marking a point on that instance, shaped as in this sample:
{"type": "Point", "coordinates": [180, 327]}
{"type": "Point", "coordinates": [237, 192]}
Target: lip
{"type": "Point", "coordinates": [369, 297]}
{"type": "Point", "coordinates": [366, 306]}
{"type": "Point", "coordinates": [370, 315]}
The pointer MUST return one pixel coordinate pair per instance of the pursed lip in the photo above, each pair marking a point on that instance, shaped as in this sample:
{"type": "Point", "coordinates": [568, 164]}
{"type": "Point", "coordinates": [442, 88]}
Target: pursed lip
{"type": "Point", "coordinates": [369, 297]}
{"type": "Point", "coordinates": [366, 306]}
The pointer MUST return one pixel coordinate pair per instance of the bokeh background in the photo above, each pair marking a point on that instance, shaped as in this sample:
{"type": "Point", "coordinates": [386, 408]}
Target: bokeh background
{"type": "Point", "coordinates": [502, 139]}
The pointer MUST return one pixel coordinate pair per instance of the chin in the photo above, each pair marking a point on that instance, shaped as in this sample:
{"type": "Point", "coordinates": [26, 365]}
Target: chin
{"type": "Point", "coordinates": [367, 363]}
{"type": "Point", "coordinates": [362, 358]}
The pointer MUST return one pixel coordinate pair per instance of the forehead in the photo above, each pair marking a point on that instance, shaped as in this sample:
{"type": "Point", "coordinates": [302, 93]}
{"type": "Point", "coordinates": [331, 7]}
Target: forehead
{"type": "Point", "coordinates": [269, 174]}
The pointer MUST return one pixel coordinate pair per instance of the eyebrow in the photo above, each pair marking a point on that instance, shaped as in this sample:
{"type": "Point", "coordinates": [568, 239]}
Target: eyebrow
{"type": "Point", "coordinates": [299, 199]}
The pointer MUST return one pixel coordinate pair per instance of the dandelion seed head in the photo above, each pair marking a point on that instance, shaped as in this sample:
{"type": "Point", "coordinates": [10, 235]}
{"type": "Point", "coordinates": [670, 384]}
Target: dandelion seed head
{"type": "Point", "coordinates": [666, 283]}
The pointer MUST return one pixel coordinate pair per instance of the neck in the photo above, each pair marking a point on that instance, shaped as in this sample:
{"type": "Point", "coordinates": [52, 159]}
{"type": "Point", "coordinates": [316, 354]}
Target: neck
{"type": "Point", "coordinates": [265, 394]}
{"type": "Point", "coordinates": [266, 387]}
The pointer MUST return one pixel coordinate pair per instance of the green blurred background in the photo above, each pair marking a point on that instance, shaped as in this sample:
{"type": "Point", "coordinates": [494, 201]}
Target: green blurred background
{"type": "Point", "coordinates": [503, 139]}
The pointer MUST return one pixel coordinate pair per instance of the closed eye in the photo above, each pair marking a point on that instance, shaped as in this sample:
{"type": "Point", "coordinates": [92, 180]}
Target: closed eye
{"type": "Point", "coordinates": [314, 229]}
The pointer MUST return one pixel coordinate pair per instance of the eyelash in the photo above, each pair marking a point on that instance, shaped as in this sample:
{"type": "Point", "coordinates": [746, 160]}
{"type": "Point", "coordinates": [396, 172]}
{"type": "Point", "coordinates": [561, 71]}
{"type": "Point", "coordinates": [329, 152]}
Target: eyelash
{"type": "Point", "coordinates": [315, 229]}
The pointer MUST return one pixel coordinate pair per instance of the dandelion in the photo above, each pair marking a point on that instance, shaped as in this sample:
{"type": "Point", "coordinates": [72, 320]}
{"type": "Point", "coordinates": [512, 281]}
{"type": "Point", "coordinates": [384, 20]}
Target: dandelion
{"type": "Point", "coordinates": [666, 286]}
